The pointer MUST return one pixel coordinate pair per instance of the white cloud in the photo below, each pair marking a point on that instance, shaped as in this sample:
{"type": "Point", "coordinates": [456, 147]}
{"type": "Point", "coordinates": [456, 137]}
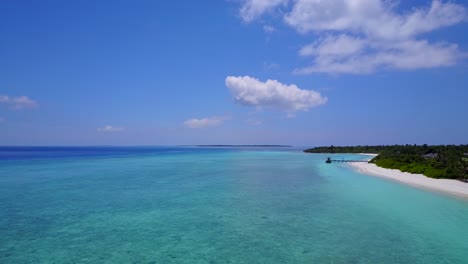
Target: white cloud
{"type": "Point", "coordinates": [422, 20]}
{"type": "Point", "coordinates": [337, 15]}
{"type": "Point", "coordinates": [18, 102]}
{"type": "Point", "coordinates": [109, 128]}
{"type": "Point", "coordinates": [272, 94]}
{"type": "Point", "coordinates": [339, 46]}
{"type": "Point", "coordinates": [375, 18]}
{"type": "Point", "coordinates": [205, 122]}
{"type": "Point", "coordinates": [251, 9]}
{"type": "Point", "coordinates": [370, 56]}
{"type": "Point", "coordinates": [362, 36]}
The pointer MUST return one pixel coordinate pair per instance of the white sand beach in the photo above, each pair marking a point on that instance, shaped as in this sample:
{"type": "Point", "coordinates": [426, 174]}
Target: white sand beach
{"type": "Point", "coordinates": [368, 154]}
{"type": "Point", "coordinates": [453, 187]}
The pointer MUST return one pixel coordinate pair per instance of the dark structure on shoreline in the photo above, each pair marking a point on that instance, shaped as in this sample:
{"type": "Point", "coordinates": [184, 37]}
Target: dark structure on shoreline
{"type": "Point", "coordinates": [329, 160]}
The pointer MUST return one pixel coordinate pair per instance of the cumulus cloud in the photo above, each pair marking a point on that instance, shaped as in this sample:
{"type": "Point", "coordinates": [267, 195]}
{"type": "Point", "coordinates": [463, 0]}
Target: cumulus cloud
{"type": "Point", "coordinates": [249, 91]}
{"type": "Point", "coordinates": [362, 36]}
{"type": "Point", "coordinates": [252, 9]}
{"type": "Point", "coordinates": [205, 122]}
{"type": "Point", "coordinates": [109, 128]}
{"type": "Point", "coordinates": [18, 102]}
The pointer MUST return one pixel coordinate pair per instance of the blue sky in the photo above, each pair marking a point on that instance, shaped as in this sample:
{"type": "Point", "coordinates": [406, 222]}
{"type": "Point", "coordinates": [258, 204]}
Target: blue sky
{"type": "Point", "coordinates": [301, 72]}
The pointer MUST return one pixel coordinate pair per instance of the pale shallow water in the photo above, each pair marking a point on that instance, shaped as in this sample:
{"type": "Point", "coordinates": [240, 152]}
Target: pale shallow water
{"type": "Point", "coordinates": [206, 205]}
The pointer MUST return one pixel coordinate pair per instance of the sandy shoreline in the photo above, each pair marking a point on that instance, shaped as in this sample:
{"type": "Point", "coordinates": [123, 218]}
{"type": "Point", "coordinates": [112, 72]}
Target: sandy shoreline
{"type": "Point", "coordinates": [368, 154]}
{"type": "Point", "coordinates": [453, 187]}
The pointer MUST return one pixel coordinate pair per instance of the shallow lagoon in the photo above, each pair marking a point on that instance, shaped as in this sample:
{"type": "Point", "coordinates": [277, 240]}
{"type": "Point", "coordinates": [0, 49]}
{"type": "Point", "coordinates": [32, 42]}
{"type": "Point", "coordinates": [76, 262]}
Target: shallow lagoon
{"type": "Point", "coordinates": [216, 205]}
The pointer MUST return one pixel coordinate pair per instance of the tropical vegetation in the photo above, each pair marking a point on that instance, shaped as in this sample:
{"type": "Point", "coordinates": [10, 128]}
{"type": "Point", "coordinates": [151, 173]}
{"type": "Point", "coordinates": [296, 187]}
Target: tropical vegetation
{"type": "Point", "coordinates": [443, 161]}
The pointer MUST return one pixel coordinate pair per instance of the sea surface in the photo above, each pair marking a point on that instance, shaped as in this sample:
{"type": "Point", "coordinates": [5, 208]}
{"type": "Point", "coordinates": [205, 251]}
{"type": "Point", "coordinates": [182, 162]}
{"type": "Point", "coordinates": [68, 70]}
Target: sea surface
{"type": "Point", "coordinates": [216, 205]}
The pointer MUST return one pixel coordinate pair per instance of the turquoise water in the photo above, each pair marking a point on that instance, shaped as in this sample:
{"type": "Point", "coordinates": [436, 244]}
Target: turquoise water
{"type": "Point", "coordinates": [189, 205]}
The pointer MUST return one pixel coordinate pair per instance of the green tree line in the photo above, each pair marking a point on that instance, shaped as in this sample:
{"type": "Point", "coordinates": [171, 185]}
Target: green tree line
{"type": "Point", "coordinates": [442, 161]}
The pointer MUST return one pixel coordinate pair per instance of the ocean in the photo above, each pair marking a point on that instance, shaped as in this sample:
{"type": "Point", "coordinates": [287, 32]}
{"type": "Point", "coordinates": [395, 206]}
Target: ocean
{"type": "Point", "coordinates": [216, 205]}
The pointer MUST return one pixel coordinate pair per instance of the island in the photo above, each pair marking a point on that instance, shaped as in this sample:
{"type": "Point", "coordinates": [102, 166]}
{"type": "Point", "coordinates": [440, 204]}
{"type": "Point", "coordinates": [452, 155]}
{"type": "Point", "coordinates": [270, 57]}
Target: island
{"type": "Point", "coordinates": [245, 146]}
{"type": "Point", "coordinates": [438, 161]}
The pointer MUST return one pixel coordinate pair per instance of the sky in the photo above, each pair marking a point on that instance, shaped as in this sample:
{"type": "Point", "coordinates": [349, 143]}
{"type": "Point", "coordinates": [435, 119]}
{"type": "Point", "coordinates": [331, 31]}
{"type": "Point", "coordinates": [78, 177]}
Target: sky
{"type": "Point", "coordinates": [296, 72]}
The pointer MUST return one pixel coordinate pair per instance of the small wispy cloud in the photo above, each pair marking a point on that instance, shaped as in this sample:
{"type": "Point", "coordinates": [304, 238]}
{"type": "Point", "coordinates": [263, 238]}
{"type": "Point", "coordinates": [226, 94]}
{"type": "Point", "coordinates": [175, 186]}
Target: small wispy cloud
{"type": "Point", "coordinates": [271, 66]}
{"type": "Point", "coordinates": [251, 9]}
{"type": "Point", "coordinates": [269, 29]}
{"type": "Point", "coordinates": [205, 122]}
{"type": "Point", "coordinates": [254, 122]}
{"type": "Point", "coordinates": [109, 128]}
{"type": "Point", "coordinates": [18, 102]}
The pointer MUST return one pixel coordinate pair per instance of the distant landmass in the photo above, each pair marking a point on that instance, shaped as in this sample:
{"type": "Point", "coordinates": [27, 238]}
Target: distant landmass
{"type": "Point", "coordinates": [442, 161]}
{"type": "Point", "coordinates": [247, 146]}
